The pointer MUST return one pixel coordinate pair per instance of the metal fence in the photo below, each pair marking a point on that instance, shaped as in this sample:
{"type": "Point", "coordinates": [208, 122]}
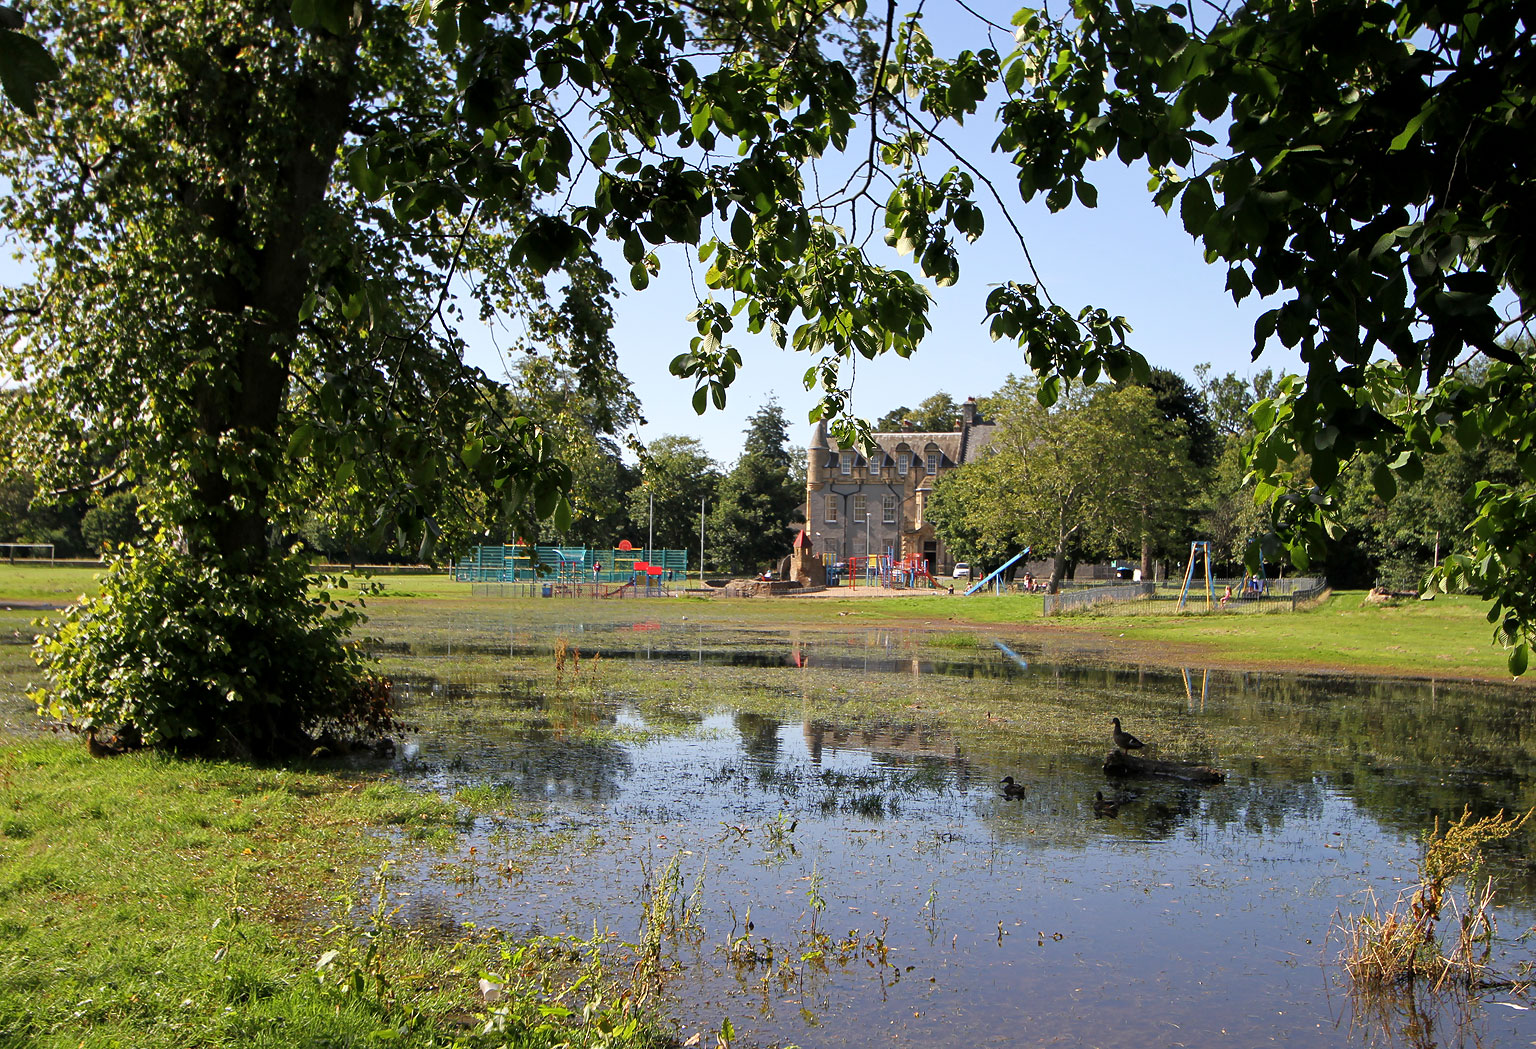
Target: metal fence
{"type": "Point", "coordinates": [1274, 593]}
{"type": "Point", "coordinates": [1318, 588]}
{"type": "Point", "coordinates": [1098, 595]}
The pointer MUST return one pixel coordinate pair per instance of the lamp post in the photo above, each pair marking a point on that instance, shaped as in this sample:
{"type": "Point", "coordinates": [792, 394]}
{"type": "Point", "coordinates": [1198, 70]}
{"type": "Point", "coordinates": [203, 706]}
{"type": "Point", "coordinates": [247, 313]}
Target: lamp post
{"type": "Point", "coordinates": [701, 544]}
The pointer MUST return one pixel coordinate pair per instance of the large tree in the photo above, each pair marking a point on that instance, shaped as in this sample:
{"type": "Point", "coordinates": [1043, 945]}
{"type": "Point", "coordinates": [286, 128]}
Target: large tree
{"type": "Point", "coordinates": [216, 312]}
{"type": "Point", "coordinates": [936, 412]}
{"type": "Point", "coordinates": [1100, 469]}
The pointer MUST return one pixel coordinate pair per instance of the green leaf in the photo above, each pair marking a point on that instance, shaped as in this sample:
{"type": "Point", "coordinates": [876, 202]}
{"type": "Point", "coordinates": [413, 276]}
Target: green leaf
{"type": "Point", "coordinates": [472, 452]}
{"type": "Point", "coordinates": [300, 441]}
{"type": "Point", "coordinates": [24, 65]}
{"type": "Point", "coordinates": [1519, 659]}
{"type": "Point", "coordinates": [1196, 206]}
{"type": "Point", "coordinates": [741, 229]}
{"type": "Point", "coordinates": [1406, 136]}
{"type": "Point", "coordinates": [304, 14]}
{"type": "Point", "coordinates": [1384, 482]}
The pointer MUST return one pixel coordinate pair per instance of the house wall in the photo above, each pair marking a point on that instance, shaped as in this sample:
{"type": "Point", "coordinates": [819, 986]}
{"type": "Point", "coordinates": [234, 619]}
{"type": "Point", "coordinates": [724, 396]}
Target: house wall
{"type": "Point", "coordinates": [847, 535]}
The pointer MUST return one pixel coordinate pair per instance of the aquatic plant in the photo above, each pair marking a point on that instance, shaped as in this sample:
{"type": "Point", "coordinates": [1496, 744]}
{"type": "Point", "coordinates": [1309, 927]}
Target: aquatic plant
{"type": "Point", "coordinates": [1407, 941]}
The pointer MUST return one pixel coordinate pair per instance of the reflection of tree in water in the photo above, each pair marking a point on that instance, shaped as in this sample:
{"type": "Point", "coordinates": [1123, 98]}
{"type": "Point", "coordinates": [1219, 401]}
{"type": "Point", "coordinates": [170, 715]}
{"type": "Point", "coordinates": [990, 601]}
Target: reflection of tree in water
{"type": "Point", "coordinates": [1263, 805]}
{"type": "Point", "coordinates": [899, 739]}
{"type": "Point", "coordinates": [1404, 751]}
{"type": "Point", "coordinates": [516, 734]}
{"type": "Point", "coordinates": [759, 737]}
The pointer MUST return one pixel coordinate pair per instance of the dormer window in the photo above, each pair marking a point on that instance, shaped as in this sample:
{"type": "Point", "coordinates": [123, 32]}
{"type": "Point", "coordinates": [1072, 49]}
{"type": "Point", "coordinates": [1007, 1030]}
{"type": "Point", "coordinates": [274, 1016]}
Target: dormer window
{"type": "Point", "coordinates": [902, 459]}
{"type": "Point", "coordinates": [874, 463]}
{"type": "Point", "coordinates": [933, 463]}
{"type": "Point", "coordinates": [845, 463]}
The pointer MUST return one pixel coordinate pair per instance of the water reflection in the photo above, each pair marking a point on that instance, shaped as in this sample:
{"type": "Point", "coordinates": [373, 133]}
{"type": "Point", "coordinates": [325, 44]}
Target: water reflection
{"type": "Point", "coordinates": [1194, 915]}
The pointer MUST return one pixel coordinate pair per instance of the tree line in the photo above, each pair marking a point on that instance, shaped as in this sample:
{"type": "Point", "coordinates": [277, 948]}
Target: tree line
{"type": "Point", "coordinates": [619, 490]}
{"type": "Point", "coordinates": [1136, 471]}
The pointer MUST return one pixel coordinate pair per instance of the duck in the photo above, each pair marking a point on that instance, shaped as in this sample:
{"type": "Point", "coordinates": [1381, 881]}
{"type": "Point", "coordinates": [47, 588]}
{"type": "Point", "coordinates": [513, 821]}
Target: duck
{"type": "Point", "coordinates": [1103, 806]}
{"type": "Point", "coordinates": [1124, 740]}
{"type": "Point", "coordinates": [98, 749]}
{"type": "Point", "coordinates": [1012, 789]}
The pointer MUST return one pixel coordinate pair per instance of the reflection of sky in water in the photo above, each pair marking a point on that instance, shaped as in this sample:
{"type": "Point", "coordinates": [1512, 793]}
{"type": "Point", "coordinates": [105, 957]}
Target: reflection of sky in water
{"type": "Point", "coordinates": [1197, 917]}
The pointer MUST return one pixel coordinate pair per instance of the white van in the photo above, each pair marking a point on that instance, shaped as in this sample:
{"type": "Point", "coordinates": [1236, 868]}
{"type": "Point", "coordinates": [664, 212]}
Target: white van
{"type": "Point", "coordinates": [962, 571]}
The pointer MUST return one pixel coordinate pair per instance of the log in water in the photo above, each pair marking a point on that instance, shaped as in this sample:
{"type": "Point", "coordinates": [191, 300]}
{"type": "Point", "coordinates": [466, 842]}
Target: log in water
{"type": "Point", "coordinates": [1119, 763]}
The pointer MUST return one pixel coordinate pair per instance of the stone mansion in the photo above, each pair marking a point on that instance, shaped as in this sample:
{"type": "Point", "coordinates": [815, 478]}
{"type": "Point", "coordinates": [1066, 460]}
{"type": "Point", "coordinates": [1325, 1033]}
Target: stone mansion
{"type": "Point", "coordinates": [860, 501]}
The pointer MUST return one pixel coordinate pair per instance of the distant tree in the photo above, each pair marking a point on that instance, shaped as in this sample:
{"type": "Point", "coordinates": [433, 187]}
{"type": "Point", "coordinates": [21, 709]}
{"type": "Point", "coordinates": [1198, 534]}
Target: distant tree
{"type": "Point", "coordinates": [678, 473]}
{"type": "Point", "coordinates": [758, 500]}
{"type": "Point", "coordinates": [26, 519]}
{"type": "Point", "coordinates": [1178, 400]}
{"type": "Point", "coordinates": [1227, 399]}
{"type": "Point", "coordinates": [112, 521]}
{"type": "Point", "coordinates": [587, 417]}
{"type": "Point", "coordinates": [1161, 474]}
{"type": "Point", "coordinates": [936, 413]}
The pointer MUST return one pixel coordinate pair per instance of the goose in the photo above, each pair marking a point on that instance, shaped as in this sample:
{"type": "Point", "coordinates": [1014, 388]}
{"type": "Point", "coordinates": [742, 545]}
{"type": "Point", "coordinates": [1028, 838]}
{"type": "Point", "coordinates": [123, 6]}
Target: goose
{"type": "Point", "coordinates": [1012, 789]}
{"type": "Point", "coordinates": [1124, 740]}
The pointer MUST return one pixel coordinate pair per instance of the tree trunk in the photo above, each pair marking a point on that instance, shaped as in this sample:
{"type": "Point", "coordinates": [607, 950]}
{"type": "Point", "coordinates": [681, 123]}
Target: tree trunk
{"type": "Point", "coordinates": [1146, 548]}
{"type": "Point", "coordinates": [256, 307]}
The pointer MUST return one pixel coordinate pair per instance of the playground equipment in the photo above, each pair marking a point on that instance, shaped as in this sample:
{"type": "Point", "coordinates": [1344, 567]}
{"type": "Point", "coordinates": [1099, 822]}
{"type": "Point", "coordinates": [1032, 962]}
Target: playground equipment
{"type": "Point", "coordinates": [570, 566]}
{"type": "Point", "coordinates": [1197, 549]}
{"type": "Point", "coordinates": [884, 570]}
{"type": "Point", "coordinates": [997, 573]}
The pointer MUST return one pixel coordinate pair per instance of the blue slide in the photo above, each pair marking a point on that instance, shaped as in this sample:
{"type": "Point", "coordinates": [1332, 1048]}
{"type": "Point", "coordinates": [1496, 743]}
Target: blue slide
{"type": "Point", "coordinates": [998, 571]}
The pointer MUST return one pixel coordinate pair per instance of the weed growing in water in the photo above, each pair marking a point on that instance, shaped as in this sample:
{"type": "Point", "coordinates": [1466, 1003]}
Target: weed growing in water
{"type": "Point", "coordinates": [1383, 949]}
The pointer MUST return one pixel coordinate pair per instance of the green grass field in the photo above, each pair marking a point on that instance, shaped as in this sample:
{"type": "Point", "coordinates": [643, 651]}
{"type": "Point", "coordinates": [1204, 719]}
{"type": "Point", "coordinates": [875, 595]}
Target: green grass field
{"type": "Point", "coordinates": [1447, 637]}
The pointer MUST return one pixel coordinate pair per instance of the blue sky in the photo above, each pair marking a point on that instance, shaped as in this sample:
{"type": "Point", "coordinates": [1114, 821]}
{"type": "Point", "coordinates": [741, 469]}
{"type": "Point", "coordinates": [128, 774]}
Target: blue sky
{"type": "Point", "coordinates": [1125, 256]}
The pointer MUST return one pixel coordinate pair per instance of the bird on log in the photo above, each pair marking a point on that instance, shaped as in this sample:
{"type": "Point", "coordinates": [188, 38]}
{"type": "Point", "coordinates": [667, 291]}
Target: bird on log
{"type": "Point", "coordinates": [1012, 789]}
{"type": "Point", "coordinates": [1123, 739]}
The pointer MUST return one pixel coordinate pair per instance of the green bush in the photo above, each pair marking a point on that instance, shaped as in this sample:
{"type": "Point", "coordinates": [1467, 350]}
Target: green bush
{"type": "Point", "coordinates": [189, 656]}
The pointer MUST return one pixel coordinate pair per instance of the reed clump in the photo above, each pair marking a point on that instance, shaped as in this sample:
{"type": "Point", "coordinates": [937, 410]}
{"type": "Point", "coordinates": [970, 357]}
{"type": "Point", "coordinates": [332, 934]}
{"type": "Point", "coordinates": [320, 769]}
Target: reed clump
{"type": "Point", "coordinates": [1441, 930]}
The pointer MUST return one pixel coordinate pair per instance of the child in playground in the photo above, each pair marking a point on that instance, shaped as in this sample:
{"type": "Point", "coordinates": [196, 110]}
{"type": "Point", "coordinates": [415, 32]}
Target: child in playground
{"type": "Point", "coordinates": [1227, 596]}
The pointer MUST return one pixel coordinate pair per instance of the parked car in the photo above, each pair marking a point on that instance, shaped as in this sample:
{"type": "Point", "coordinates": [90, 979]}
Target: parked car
{"type": "Point", "coordinates": [962, 571]}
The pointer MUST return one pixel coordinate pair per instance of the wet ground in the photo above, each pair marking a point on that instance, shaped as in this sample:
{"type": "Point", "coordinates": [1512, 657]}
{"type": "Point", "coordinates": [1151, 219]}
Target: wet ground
{"type": "Point", "coordinates": [820, 814]}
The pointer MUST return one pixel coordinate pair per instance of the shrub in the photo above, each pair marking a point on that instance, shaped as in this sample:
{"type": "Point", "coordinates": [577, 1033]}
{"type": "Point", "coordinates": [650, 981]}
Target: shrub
{"type": "Point", "coordinates": [190, 656]}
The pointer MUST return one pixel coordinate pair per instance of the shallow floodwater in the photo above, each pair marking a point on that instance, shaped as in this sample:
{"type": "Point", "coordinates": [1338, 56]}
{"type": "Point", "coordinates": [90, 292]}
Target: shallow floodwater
{"type": "Point", "coordinates": [839, 790]}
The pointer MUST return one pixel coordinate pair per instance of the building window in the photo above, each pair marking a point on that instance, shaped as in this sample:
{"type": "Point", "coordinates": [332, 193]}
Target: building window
{"type": "Point", "coordinates": [858, 507]}
{"type": "Point", "coordinates": [831, 509]}
{"type": "Point", "coordinates": [874, 463]}
{"type": "Point", "coordinates": [845, 463]}
{"type": "Point", "coordinates": [889, 508]}
{"type": "Point", "coordinates": [901, 463]}
{"type": "Point", "coordinates": [933, 463]}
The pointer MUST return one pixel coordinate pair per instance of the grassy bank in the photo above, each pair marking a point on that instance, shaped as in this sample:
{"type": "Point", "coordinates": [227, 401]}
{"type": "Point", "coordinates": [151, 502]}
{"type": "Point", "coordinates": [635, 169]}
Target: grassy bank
{"type": "Point", "coordinates": [148, 901]}
{"type": "Point", "coordinates": [1447, 637]}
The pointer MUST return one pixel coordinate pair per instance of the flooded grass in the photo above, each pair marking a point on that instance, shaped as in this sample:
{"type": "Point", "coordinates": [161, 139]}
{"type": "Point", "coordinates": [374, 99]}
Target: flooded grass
{"type": "Point", "coordinates": [803, 832]}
